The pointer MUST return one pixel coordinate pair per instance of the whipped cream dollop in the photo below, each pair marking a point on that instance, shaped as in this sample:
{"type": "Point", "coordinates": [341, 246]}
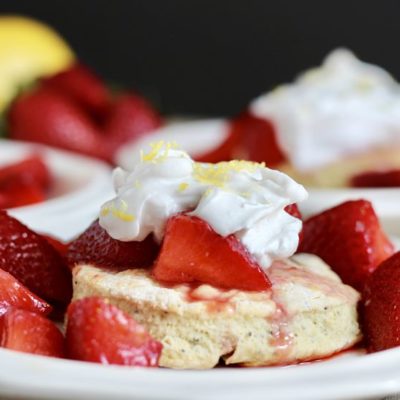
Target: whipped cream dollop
{"type": "Point", "coordinates": [238, 197]}
{"type": "Point", "coordinates": [343, 107]}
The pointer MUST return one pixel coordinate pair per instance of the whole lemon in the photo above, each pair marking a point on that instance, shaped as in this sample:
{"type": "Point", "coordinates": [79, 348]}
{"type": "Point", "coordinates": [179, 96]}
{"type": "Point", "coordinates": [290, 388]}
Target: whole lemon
{"type": "Point", "coordinates": [28, 49]}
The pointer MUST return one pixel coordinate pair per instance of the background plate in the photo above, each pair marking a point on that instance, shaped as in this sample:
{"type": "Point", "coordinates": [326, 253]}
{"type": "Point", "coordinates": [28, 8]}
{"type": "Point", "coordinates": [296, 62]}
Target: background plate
{"type": "Point", "coordinates": [81, 186]}
{"type": "Point", "coordinates": [200, 136]}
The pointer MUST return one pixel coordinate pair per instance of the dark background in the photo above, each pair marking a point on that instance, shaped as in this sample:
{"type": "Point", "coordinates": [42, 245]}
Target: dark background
{"type": "Point", "coordinates": [210, 57]}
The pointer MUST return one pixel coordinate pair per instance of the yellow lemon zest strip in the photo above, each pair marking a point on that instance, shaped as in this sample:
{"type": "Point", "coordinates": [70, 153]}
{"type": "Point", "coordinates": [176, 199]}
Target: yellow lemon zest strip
{"type": "Point", "coordinates": [183, 186]}
{"type": "Point", "coordinates": [207, 192]}
{"type": "Point", "coordinates": [214, 175]}
{"type": "Point", "coordinates": [104, 211]}
{"type": "Point", "coordinates": [159, 151]}
{"type": "Point", "coordinates": [218, 174]}
{"type": "Point", "coordinates": [153, 153]}
{"type": "Point", "coordinates": [121, 212]}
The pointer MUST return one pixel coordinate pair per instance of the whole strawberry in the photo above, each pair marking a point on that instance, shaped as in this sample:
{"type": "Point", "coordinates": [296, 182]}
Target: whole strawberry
{"type": "Point", "coordinates": [83, 87]}
{"type": "Point", "coordinates": [382, 306]}
{"type": "Point", "coordinates": [33, 261]}
{"type": "Point", "coordinates": [349, 238]}
{"type": "Point", "coordinates": [130, 117]}
{"type": "Point", "coordinates": [74, 110]}
{"type": "Point", "coordinates": [96, 246]}
{"type": "Point", "coordinates": [46, 116]}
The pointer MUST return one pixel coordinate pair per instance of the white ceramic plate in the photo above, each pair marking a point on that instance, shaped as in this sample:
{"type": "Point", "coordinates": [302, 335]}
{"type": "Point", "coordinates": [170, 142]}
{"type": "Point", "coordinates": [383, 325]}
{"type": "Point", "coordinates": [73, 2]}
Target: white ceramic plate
{"type": "Point", "coordinates": [80, 185]}
{"type": "Point", "coordinates": [350, 376]}
{"type": "Point", "coordinates": [200, 136]}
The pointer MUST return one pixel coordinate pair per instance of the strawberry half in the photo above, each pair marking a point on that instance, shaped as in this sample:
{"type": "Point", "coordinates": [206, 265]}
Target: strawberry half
{"type": "Point", "coordinates": [14, 294]}
{"type": "Point", "coordinates": [130, 117]}
{"type": "Point", "coordinates": [224, 152]}
{"type": "Point", "coordinates": [33, 261]}
{"type": "Point", "coordinates": [48, 117]}
{"type": "Point", "coordinates": [349, 238]}
{"type": "Point", "coordinates": [30, 170]}
{"type": "Point", "coordinates": [100, 332]}
{"type": "Point", "coordinates": [96, 246]}
{"type": "Point", "coordinates": [81, 85]}
{"type": "Point", "coordinates": [29, 332]}
{"type": "Point", "coordinates": [257, 140]}
{"type": "Point", "coordinates": [18, 194]}
{"type": "Point", "coordinates": [382, 306]}
{"type": "Point", "coordinates": [377, 179]}
{"type": "Point", "coordinates": [193, 252]}
{"type": "Point", "coordinates": [24, 182]}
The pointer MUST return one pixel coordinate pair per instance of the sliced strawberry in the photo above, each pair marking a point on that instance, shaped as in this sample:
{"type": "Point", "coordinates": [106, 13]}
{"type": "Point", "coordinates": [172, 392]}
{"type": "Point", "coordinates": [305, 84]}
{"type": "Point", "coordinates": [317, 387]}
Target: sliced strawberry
{"type": "Point", "coordinates": [100, 332]}
{"type": "Point", "coordinates": [96, 246]}
{"type": "Point", "coordinates": [377, 179]}
{"type": "Point", "coordinates": [18, 194]}
{"type": "Point", "coordinates": [257, 140]}
{"type": "Point", "coordinates": [350, 239]}
{"type": "Point", "coordinates": [14, 294]}
{"type": "Point", "coordinates": [382, 306]}
{"type": "Point", "coordinates": [224, 152]}
{"type": "Point", "coordinates": [83, 87]}
{"type": "Point", "coordinates": [31, 170]}
{"type": "Point", "coordinates": [130, 117]}
{"type": "Point", "coordinates": [33, 261]}
{"type": "Point", "coordinates": [193, 252]}
{"type": "Point", "coordinates": [45, 116]}
{"type": "Point", "coordinates": [29, 332]}
{"type": "Point", "coordinates": [24, 182]}
{"type": "Point", "coordinates": [294, 211]}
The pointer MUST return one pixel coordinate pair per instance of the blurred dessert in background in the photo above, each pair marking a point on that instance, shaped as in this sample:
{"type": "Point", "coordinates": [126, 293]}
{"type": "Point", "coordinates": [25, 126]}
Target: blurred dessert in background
{"type": "Point", "coordinates": [28, 49]}
{"type": "Point", "coordinates": [54, 99]}
{"type": "Point", "coordinates": [74, 110]}
{"type": "Point", "coordinates": [331, 124]}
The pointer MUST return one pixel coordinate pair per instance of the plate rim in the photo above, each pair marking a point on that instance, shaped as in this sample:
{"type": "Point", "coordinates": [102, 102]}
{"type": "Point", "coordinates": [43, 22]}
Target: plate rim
{"type": "Point", "coordinates": [55, 378]}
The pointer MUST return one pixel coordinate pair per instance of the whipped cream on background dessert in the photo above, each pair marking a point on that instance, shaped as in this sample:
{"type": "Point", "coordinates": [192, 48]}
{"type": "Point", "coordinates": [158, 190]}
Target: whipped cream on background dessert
{"type": "Point", "coordinates": [238, 197]}
{"type": "Point", "coordinates": [341, 108]}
